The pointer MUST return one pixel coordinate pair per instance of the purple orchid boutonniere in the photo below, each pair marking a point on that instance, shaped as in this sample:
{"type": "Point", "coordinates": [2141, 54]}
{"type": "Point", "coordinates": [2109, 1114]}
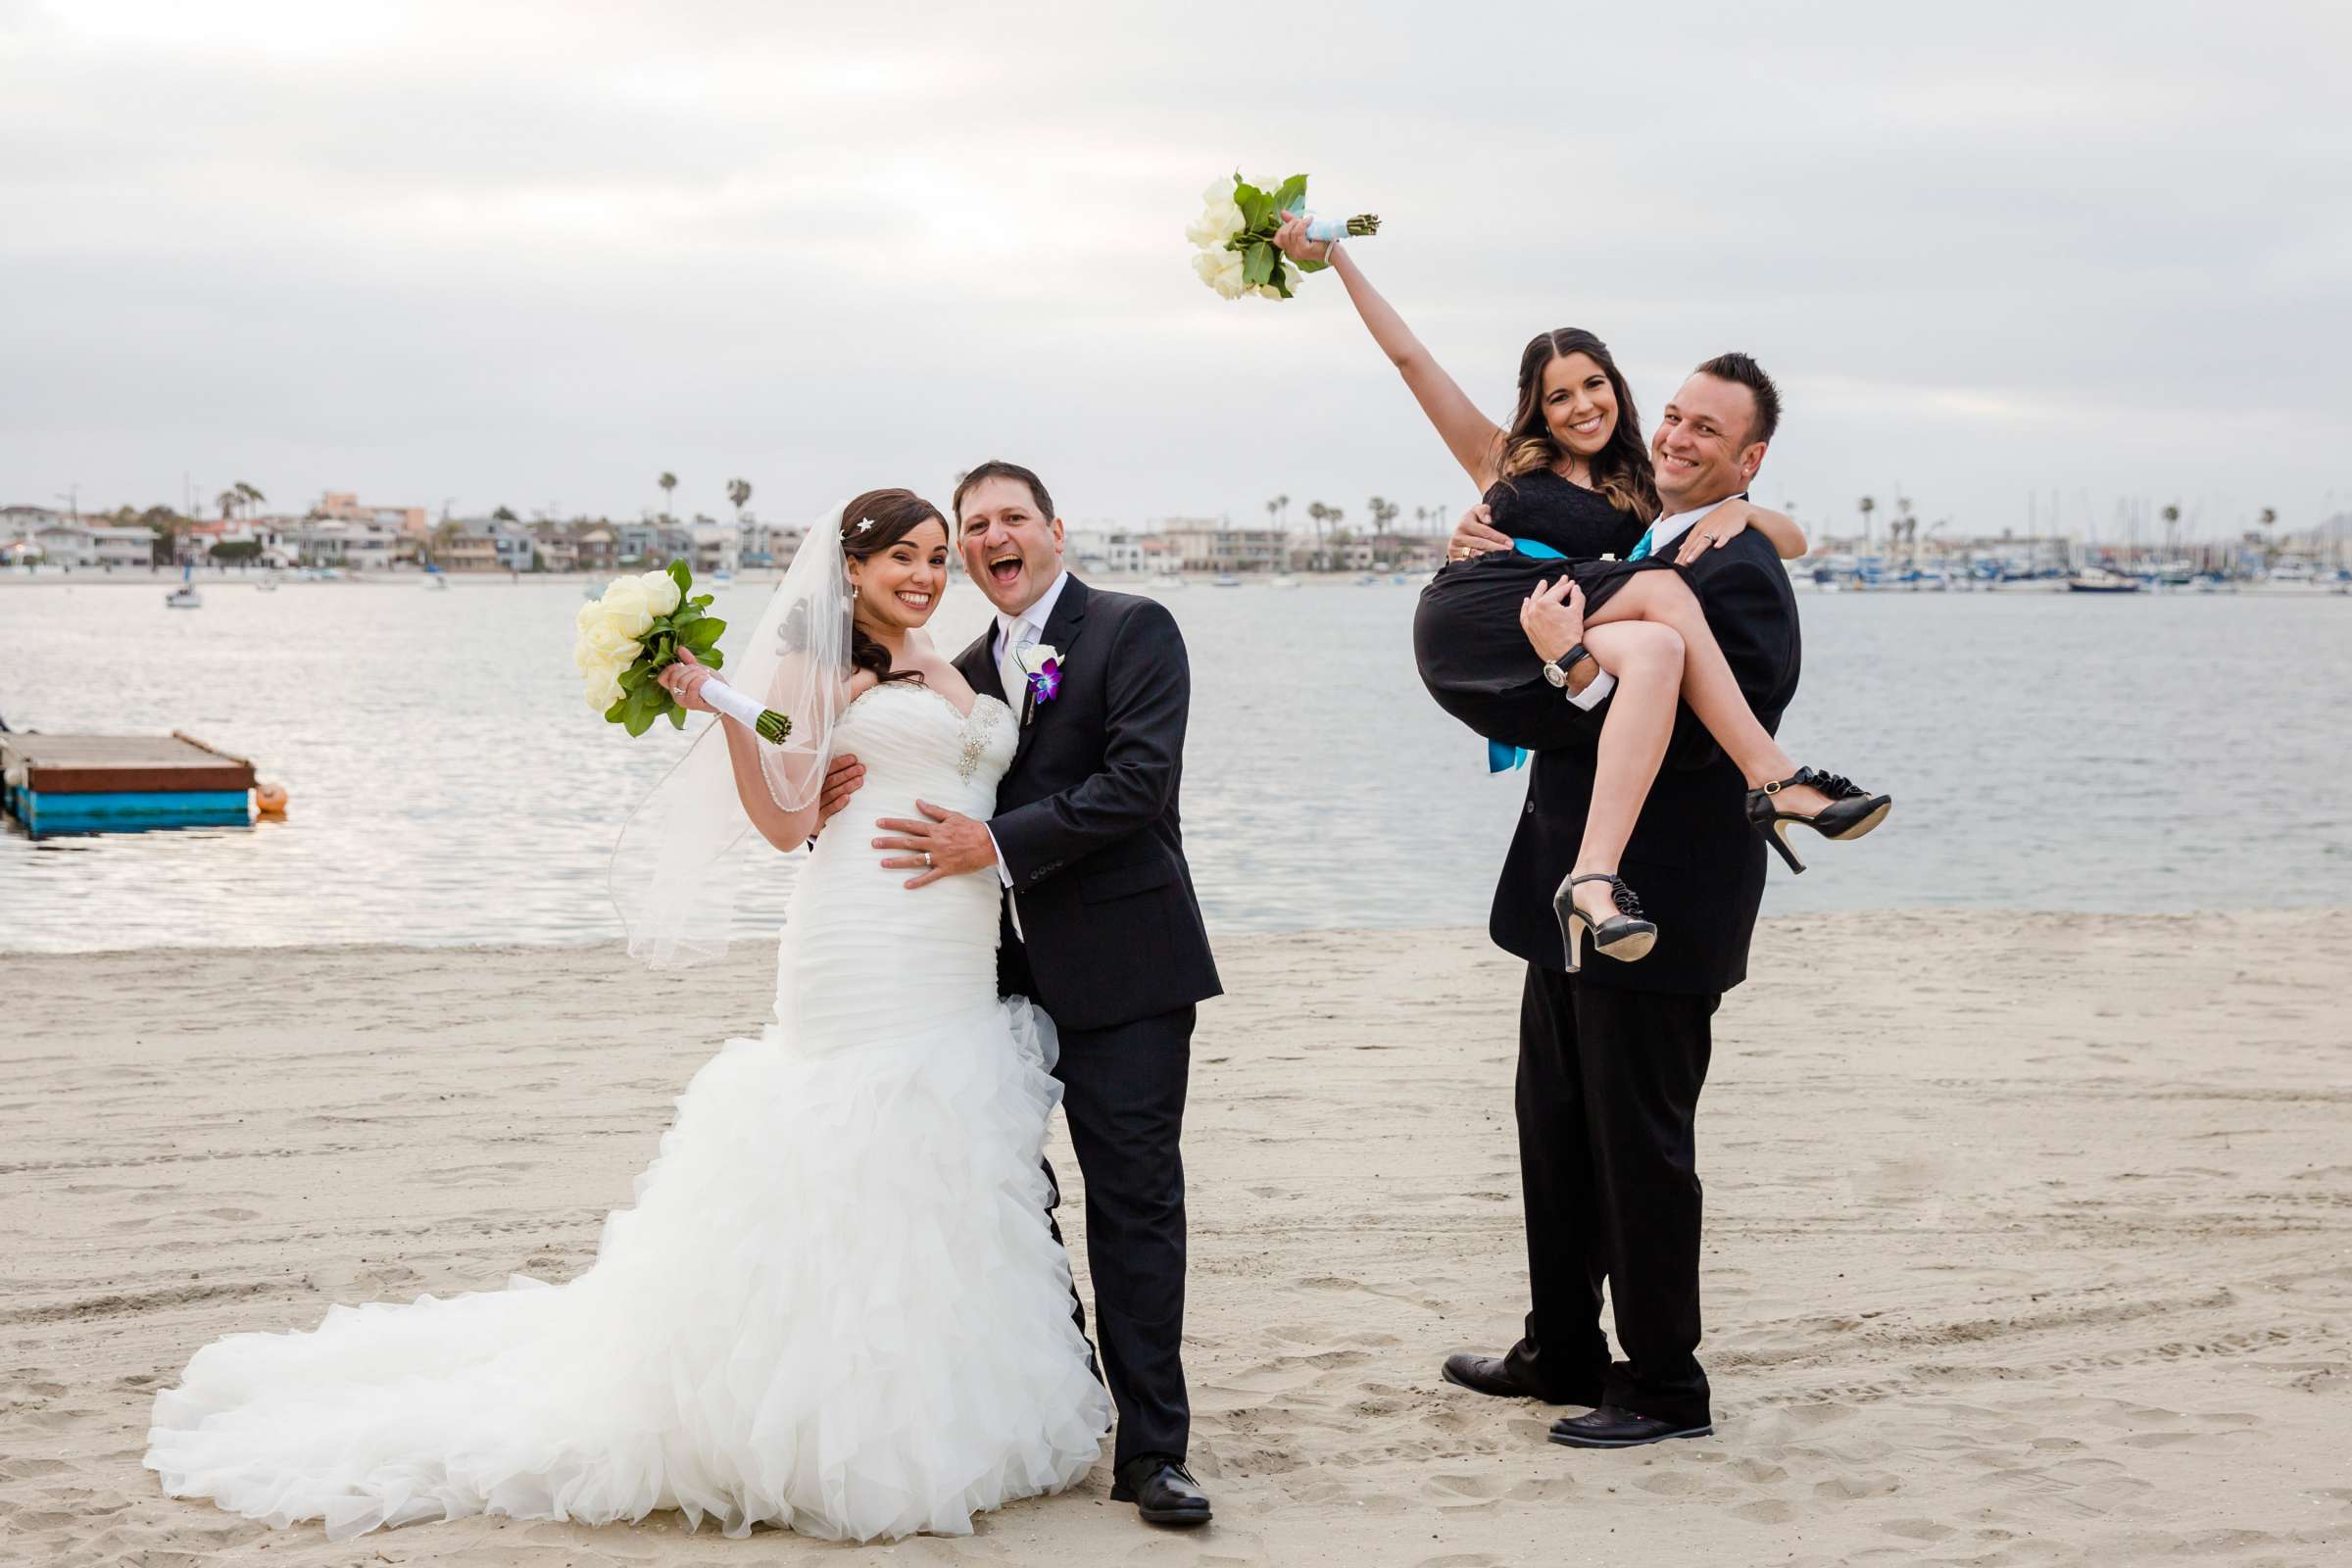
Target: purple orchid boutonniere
{"type": "Point", "coordinates": [1041, 665]}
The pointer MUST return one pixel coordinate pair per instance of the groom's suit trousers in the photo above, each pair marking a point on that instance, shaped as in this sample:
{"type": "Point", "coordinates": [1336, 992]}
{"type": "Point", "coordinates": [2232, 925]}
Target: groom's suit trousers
{"type": "Point", "coordinates": [1608, 1095]}
{"type": "Point", "coordinates": [1123, 1090]}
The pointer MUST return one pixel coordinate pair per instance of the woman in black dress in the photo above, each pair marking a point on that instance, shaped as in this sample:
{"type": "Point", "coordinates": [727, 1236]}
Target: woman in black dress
{"type": "Point", "coordinates": [1570, 481]}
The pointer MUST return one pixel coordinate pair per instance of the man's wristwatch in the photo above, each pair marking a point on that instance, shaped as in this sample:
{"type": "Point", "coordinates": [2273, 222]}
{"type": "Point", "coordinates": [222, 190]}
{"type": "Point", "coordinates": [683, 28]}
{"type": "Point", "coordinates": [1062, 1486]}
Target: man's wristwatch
{"type": "Point", "coordinates": [1556, 670]}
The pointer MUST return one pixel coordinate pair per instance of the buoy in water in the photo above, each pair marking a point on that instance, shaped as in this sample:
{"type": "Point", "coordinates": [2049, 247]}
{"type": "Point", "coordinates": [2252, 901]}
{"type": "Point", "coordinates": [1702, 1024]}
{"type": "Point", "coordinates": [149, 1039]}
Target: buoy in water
{"type": "Point", "coordinates": [270, 800]}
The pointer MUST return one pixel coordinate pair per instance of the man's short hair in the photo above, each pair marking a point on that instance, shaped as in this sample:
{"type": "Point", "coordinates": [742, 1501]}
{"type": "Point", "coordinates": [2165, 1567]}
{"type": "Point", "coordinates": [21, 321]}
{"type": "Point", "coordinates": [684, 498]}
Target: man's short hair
{"type": "Point", "coordinates": [997, 468]}
{"type": "Point", "coordinates": [1749, 373]}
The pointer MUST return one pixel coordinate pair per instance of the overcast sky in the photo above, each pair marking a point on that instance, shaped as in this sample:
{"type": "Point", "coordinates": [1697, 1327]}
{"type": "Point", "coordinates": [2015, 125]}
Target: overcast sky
{"type": "Point", "coordinates": [537, 253]}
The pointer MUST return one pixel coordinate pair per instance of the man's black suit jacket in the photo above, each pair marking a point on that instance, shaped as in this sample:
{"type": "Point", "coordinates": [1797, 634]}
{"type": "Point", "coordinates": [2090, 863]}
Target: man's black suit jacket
{"type": "Point", "coordinates": [1086, 819]}
{"type": "Point", "coordinates": [1696, 865]}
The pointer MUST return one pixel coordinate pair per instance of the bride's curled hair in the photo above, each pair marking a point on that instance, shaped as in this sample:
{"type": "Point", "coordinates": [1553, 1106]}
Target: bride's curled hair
{"type": "Point", "coordinates": [1620, 469]}
{"type": "Point", "coordinates": [870, 524]}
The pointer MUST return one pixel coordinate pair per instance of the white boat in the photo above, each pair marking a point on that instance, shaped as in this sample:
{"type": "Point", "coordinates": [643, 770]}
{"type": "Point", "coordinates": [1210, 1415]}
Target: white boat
{"type": "Point", "coordinates": [185, 596]}
{"type": "Point", "coordinates": [1226, 580]}
{"type": "Point", "coordinates": [1167, 579]}
{"type": "Point", "coordinates": [435, 581]}
{"type": "Point", "coordinates": [2099, 580]}
{"type": "Point", "coordinates": [1286, 580]}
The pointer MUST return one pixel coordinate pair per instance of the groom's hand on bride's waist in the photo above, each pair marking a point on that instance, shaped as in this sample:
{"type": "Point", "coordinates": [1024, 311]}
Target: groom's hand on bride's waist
{"type": "Point", "coordinates": [942, 843]}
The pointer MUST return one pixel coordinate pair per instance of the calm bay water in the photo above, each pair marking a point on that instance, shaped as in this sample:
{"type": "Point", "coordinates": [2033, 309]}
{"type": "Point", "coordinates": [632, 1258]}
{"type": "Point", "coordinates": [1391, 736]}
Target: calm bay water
{"type": "Point", "coordinates": [447, 785]}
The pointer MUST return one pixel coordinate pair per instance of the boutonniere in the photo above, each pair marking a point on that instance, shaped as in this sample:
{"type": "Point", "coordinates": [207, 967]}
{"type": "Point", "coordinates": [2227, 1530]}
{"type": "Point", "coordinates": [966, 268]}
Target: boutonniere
{"type": "Point", "coordinates": [1041, 663]}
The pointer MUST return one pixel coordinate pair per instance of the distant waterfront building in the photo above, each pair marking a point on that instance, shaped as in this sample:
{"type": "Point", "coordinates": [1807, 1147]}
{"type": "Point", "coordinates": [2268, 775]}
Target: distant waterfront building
{"type": "Point", "coordinates": [78, 544]}
{"type": "Point", "coordinates": [766, 544]}
{"type": "Point", "coordinates": [1204, 546]}
{"type": "Point", "coordinates": [343, 506]}
{"type": "Point", "coordinates": [715, 549]}
{"type": "Point", "coordinates": [595, 548]}
{"type": "Point", "coordinates": [488, 544]}
{"type": "Point", "coordinates": [657, 542]}
{"type": "Point", "coordinates": [348, 543]}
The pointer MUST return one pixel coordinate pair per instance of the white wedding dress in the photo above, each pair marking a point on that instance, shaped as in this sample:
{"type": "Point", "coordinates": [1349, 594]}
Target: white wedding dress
{"type": "Point", "coordinates": [835, 1306]}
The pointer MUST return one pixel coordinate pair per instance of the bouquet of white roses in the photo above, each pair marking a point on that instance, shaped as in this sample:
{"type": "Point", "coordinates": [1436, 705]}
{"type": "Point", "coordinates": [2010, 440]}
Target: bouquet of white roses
{"type": "Point", "coordinates": [633, 633]}
{"type": "Point", "coordinates": [1234, 236]}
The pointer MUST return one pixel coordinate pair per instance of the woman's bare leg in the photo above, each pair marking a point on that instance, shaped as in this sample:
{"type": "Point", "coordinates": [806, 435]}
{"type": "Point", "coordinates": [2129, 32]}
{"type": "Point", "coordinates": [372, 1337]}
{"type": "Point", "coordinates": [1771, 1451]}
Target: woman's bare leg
{"type": "Point", "coordinates": [1647, 661]}
{"type": "Point", "coordinates": [1662, 598]}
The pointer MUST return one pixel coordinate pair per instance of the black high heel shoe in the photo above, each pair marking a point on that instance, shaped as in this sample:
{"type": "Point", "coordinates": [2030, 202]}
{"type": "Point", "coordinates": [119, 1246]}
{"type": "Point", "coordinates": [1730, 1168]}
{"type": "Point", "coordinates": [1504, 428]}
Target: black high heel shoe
{"type": "Point", "coordinates": [1624, 936]}
{"type": "Point", "coordinates": [1851, 812]}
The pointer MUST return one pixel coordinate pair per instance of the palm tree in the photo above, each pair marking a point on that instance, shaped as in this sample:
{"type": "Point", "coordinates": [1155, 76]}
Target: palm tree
{"type": "Point", "coordinates": [227, 501]}
{"type": "Point", "coordinates": [1384, 512]}
{"type": "Point", "coordinates": [669, 483]}
{"type": "Point", "coordinates": [739, 491]}
{"type": "Point", "coordinates": [504, 514]}
{"type": "Point", "coordinates": [1283, 505]}
{"type": "Point", "coordinates": [247, 494]}
{"type": "Point", "coordinates": [1868, 507]}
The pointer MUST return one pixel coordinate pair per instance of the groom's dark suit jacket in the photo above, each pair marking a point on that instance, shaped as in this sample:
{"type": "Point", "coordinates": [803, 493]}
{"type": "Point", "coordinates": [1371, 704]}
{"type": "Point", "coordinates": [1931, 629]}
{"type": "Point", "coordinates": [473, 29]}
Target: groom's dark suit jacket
{"type": "Point", "coordinates": [1696, 865]}
{"type": "Point", "coordinates": [1086, 819]}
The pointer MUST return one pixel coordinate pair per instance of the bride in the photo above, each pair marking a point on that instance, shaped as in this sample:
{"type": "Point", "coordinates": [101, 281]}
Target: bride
{"type": "Point", "coordinates": [836, 1305]}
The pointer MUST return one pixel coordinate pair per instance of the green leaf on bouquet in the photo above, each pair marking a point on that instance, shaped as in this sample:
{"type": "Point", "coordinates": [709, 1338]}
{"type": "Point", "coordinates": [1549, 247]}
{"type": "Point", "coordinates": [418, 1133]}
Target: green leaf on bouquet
{"type": "Point", "coordinates": [678, 718]}
{"type": "Point", "coordinates": [617, 712]}
{"type": "Point", "coordinates": [1291, 197]}
{"type": "Point", "coordinates": [714, 658]}
{"type": "Point", "coordinates": [702, 634]}
{"type": "Point", "coordinates": [682, 577]}
{"type": "Point", "coordinates": [1257, 264]}
{"type": "Point", "coordinates": [1281, 282]}
{"type": "Point", "coordinates": [702, 601]}
{"type": "Point", "coordinates": [1258, 208]}
{"type": "Point", "coordinates": [636, 675]}
{"type": "Point", "coordinates": [1310, 266]}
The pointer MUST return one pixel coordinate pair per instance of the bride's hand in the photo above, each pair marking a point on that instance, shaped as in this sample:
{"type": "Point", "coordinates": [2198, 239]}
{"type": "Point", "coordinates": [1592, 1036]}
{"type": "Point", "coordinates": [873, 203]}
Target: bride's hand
{"type": "Point", "coordinates": [1290, 239]}
{"type": "Point", "coordinates": [684, 682]}
{"type": "Point", "coordinates": [1713, 531]}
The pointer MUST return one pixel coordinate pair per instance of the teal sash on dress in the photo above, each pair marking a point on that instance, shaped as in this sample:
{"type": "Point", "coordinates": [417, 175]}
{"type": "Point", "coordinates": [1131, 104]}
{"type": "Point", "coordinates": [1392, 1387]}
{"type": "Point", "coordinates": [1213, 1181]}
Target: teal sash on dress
{"type": "Point", "coordinates": [1501, 759]}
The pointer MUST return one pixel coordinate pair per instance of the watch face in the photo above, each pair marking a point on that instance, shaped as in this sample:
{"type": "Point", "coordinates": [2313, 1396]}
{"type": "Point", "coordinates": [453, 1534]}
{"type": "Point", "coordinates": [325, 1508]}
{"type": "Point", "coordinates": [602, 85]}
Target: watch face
{"type": "Point", "coordinates": [1555, 675]}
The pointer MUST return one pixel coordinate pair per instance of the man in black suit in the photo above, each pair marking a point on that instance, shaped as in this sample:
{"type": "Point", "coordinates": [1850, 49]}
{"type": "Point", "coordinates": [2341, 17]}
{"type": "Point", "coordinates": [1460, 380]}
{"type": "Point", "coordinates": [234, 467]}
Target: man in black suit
{"type": "Point", "coordinates": [1611, 1060]}
{"type": "Point", "coordinates": [1101, 927]}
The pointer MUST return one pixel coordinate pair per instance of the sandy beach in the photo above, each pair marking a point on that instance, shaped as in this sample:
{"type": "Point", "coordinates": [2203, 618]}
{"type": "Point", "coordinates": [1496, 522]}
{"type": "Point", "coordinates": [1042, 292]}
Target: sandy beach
{"type": "Point", "coordinates": [2029, 1240]}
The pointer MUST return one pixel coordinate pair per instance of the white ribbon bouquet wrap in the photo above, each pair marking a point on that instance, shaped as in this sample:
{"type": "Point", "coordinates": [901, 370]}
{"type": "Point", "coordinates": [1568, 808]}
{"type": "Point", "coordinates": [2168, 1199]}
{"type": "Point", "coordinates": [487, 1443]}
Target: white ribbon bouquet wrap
{"type": "Point", "coordinates": [677, 871]}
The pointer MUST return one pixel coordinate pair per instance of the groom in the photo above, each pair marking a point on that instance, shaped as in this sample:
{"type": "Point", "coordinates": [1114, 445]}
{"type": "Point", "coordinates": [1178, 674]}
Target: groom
{"type": "Point", "coordinates": [1101, 927]}
{"type": "Point", "coordinates": [1611, 1060]}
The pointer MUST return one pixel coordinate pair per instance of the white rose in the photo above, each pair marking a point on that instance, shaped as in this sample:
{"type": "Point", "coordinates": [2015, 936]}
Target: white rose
{"type": "Point", "coordinates": [601, 687]}
{"type": "Point", "coordinates": [1223, 270]}
{"type": "Point", "coordinates": [1218, 194]}
{"type": "Point", "coordinates": [626, 602]}
{"type": "Point", "coordinates": [1035, 657]}
{"type": "Point", "coordinates": [602, 643]}
{"type": "Point", "coordinates": [1208, 231]}
{"type": "Point", "coordinates": [661, 594]}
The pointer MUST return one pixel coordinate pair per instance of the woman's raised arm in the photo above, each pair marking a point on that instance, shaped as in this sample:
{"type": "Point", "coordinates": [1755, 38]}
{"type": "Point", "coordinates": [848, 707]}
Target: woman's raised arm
{"type": "Point", "coordinates": [1475, 440]}
{"type": "Point", "coordinates": [786, 830]}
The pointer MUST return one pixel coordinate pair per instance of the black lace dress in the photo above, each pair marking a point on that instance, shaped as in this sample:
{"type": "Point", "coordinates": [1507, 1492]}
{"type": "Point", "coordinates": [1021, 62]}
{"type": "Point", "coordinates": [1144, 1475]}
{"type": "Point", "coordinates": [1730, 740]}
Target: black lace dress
{"type": "Point", "coordinates": [1473, 656]}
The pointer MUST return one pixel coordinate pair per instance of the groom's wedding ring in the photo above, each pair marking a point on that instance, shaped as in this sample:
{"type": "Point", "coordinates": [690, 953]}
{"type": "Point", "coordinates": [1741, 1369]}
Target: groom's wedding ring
{"type": "Point", "coordinates": [926, 859]}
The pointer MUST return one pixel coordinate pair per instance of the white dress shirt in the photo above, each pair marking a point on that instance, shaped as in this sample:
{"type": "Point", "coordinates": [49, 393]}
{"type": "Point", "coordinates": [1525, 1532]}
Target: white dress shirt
{"type": "Point", "coordinates": [1013, 633]}
{"type": "Point", "coordinates": [1662, 537]}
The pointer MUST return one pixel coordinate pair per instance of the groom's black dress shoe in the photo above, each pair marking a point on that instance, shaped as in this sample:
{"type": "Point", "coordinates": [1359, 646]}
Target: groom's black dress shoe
{"type": "Point", "coordinates": [1612, 1428]}
{"type": "Point", "coordinates": [1491, 1375]}
{"type": "Point", "coordinates": [1162, 1491]}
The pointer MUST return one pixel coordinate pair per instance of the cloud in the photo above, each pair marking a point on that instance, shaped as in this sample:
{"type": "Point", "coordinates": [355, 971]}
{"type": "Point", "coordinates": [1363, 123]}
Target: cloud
{"type": "Point", "coordinates": [544, 251]}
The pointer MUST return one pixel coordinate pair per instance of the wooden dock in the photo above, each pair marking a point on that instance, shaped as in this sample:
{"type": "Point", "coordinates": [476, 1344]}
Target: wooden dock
{"type": "Point", "coordinates": [120, 783]}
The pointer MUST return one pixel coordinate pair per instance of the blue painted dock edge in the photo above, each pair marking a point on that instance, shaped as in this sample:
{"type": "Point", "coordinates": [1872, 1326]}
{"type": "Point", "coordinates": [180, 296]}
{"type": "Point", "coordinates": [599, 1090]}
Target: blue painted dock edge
{"type": "Point", "coordinates": [129, 812]}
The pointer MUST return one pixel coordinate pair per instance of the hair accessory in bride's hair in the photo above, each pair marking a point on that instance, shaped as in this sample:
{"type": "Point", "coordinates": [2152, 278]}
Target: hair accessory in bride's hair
{"type": "Point", "coordinates": [863, 524]}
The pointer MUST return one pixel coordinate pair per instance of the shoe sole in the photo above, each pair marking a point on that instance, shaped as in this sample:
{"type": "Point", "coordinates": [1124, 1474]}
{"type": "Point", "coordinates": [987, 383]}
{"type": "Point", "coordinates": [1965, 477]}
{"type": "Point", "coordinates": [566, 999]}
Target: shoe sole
{"type": "Point", "coordinates": [1865, 825]}
{"type": "Point", "coordinates": [1630, 1442]}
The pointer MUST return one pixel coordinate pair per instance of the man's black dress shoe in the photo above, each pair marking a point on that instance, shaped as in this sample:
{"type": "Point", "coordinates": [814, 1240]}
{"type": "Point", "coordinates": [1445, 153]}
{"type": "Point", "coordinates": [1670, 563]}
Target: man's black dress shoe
{"type": "Point", "coordinates": [1162, 1491]}
{"type": "Point", "coordinates": [1612, 1428]}
{"type": "Point", "coordinates": [1491, 1375]}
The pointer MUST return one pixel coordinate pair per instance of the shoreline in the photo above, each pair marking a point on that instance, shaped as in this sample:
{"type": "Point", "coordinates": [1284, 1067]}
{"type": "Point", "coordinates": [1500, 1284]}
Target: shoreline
{"type": "Point", "coordinates": [2022, 1230]}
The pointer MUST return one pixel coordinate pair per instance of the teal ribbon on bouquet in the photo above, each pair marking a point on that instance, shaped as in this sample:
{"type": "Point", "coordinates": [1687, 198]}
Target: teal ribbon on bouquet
{"type": "Point", "coordinates": [1501, 759]}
